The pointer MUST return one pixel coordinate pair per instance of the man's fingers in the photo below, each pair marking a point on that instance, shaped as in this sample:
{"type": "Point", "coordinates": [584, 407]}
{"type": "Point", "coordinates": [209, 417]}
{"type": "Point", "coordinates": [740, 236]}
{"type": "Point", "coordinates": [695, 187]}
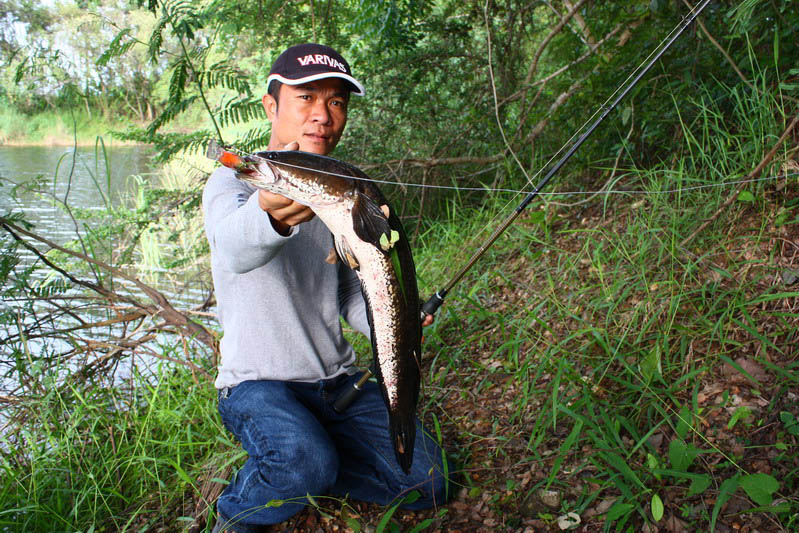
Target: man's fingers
{"type": "Point", "coordinates": [292, 214]}
{"type": "Point", "coordinates": [269, 200]}
{"type": "Point", "coordinates": [284, 211]}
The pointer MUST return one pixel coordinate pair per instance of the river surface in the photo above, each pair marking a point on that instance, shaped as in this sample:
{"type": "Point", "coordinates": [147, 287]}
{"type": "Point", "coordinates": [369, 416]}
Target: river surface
{"type": "Point", "coordinates": [76, 177]}
{"type": "Point", "coordinates": [37, 181]}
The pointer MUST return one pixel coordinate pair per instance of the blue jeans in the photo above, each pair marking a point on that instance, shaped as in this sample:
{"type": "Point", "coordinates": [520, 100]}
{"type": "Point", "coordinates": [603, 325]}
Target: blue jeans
{"type": "Point", "coordinates": [298, 445]}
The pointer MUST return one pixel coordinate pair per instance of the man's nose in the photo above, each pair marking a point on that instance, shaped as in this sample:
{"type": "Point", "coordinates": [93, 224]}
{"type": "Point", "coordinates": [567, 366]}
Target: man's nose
{"type": "Point", "coordinates": [320, 112]}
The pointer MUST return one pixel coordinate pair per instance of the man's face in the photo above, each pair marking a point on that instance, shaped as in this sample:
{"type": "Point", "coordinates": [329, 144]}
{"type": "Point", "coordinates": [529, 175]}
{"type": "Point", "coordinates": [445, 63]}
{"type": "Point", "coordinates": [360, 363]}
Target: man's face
{"type": "Point", "coordinates": [313, 114]}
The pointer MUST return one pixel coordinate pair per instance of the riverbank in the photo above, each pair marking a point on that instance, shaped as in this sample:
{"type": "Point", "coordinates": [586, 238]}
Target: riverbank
{"type": "Point", "coordinates": [618, 361]}
{"type": "Point", "coordinates": [72, 128]}
{"type": "Point", "coordinates": [578, 364]}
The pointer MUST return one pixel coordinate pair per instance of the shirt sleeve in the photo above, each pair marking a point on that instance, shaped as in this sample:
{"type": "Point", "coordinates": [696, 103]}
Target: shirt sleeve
{"type": "Point", "coordinates": [239, 231]}
{"type": "Point", "coordinates": [351, 300]}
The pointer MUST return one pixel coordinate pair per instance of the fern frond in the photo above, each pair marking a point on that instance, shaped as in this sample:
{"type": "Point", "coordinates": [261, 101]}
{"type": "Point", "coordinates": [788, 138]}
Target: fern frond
{"type": "Point", "coordinates": [237, 111]}
{"type": "Point", "coordinates": [255, 139]}
{"type": "Point", "coordinates": [184, 18]}
{"type": "Point", "coordinates": [177, 83]}
{"type": "Point", "coordinates": [167, 144]}
{"type": "Point", "coordinates": [116, 48]}
{"type": "Point", "coordinates": [224, 75]}
{"type": "Point", "coordinates": [157, 39]}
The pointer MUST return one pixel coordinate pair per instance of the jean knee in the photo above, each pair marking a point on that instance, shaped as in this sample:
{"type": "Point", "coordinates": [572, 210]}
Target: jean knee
{"type": "Point", "coordinates": [303, 469]}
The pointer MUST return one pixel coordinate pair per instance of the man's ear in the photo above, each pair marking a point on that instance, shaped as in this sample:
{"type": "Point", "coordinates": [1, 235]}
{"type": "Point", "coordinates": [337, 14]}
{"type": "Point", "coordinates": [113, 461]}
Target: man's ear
{"type": "Point", "coordinates": [270, 106]}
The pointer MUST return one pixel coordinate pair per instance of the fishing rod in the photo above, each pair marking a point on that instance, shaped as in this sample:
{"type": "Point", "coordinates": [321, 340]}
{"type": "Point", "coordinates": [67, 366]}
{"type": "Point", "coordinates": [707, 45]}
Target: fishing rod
{"type": "Point", "coordinates": [434, 302]}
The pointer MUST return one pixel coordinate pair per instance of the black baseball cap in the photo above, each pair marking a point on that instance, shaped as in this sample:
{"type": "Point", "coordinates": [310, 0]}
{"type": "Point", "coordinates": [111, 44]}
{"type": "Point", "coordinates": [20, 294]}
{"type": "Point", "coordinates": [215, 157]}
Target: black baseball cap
{"type": "Point", "coordinates": [310, 62]}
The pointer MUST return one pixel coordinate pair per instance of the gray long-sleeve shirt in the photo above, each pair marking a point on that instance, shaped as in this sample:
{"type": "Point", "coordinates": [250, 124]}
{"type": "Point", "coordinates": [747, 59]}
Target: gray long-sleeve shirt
{"type": "Point", "coordinates": [278, 300]}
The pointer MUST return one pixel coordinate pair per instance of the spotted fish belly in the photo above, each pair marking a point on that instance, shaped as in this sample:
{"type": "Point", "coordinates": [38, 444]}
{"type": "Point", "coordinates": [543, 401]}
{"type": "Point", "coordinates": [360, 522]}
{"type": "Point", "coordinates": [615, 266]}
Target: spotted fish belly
{"type": "Point", "coordinates": [394, 323]}
{"type": "Point", "coordinates": [381, 287]}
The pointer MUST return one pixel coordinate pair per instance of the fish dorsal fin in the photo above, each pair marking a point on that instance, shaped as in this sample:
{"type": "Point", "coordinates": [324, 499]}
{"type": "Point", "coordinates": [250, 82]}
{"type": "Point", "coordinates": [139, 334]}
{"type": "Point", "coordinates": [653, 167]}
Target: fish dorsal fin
{"type": "Point", "coordinates": [370, 223]}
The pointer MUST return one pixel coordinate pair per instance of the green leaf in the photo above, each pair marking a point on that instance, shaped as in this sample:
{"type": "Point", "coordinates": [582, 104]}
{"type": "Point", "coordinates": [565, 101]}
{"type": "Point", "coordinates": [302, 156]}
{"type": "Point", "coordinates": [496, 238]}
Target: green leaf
{"type": "Point", "coordinates": [626, 114]}
{"type": "Point", "coordinates": [759, 487]}
{"type": "Point", "coordinates": [741, 413]}
{"type": "Point", "coordinates": [537, 217]}
{"type": "Point", "coordinates": [650, 365]}
{"type": "Point", "coordinates": [746, 196]}
{"type": "Point", "coordinates": [618, 510]}
{"type": "Point", "coordinates": [790, 421]}
{"type": "Point", "coordinates": [725, 493]}
{"type": "Point", "coordinates": [684, 422]}
{"type": "Point", "coordinates": [657, 507]}
{"type": "Point", "coordinates": [699, 484]}
{"type": "Point", "coordinates": [384, 522]}
{"type": "Point", "coordinates": [421, 526]}
{"type": "Point", "coordinates": [681, 455]}
{"type": "Point", "coordinates": [564, 449]}
{"type": "Point", "coordinates": [180, 472]}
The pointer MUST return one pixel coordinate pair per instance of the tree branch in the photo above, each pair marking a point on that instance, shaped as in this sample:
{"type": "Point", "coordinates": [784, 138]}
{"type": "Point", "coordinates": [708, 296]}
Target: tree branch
{"type": "Point", "coordinates": [162, 306]}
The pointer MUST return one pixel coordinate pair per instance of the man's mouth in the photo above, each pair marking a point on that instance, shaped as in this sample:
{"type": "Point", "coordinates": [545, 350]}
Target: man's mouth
{"type": "Point", "coordinates": [318, 137]}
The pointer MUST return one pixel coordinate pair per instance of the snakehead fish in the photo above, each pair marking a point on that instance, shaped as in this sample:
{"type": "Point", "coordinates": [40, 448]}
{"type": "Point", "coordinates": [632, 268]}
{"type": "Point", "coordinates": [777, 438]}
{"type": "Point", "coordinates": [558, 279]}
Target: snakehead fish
{"type": "Point", "coordinates": [370, 239]}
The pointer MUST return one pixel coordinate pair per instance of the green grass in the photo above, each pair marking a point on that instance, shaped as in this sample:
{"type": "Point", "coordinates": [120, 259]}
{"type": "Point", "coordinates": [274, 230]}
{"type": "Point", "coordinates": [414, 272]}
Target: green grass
{"type": "Point", "coordinates": [608, 331]}
{"type": "Point", "coordinates": [113, 459]}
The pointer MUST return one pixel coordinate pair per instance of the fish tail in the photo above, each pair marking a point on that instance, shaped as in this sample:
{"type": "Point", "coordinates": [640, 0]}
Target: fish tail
{"type": "Point", "coordinates": [403, 437]}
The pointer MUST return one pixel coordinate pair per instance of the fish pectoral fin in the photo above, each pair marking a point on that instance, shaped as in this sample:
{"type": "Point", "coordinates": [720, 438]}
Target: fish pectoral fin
{"type": "Point", "coordinates": [345, 253]}
{"type": "Point", "coordinates": [371, 224]}
{"type": "Point", "coordinates": [332, 257]}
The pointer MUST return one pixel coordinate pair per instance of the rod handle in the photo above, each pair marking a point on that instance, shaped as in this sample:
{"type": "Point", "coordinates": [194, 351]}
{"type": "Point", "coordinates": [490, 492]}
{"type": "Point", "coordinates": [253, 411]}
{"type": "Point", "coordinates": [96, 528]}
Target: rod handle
{"type": "Point", "coordinates": [345, 400]}
{"type": "Point", "coordinates": [432, 304]}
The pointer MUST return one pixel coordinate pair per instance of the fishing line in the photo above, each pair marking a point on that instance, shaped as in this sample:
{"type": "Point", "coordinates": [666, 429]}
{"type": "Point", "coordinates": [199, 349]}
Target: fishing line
{"type": "Point", "coordinates": [589, 192]}
{"type": "Point", "coordinates": [517, 192]}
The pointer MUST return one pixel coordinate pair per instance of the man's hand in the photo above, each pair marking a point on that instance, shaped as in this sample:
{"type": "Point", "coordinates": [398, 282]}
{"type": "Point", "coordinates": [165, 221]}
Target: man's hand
{"type": "Point", "coordinates": [284, 212]}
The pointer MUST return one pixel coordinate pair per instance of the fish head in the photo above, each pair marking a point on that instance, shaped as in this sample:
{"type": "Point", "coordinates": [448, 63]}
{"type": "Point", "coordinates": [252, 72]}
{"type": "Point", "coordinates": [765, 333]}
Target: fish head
{"type": "Point", "coordinates": [307, 178]}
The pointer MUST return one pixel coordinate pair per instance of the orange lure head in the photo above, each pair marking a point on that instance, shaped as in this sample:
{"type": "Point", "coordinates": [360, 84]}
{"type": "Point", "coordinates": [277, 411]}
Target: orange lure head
{"type": "Point", "coordinates": [228, 159]}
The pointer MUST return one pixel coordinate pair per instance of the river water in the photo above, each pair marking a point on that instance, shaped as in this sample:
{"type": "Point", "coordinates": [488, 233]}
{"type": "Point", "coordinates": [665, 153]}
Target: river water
{"type": "Point", "coordinates": [76, 177]}
{"type": "Point", "coordinates": [32, 177]}
{"type": "Point", "coordinates": [80, 179]}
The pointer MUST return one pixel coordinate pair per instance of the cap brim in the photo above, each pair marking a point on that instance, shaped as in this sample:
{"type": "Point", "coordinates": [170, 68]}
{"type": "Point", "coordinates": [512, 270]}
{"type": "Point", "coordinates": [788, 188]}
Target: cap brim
{"type": "Point", "coordinates": [355, 86]}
